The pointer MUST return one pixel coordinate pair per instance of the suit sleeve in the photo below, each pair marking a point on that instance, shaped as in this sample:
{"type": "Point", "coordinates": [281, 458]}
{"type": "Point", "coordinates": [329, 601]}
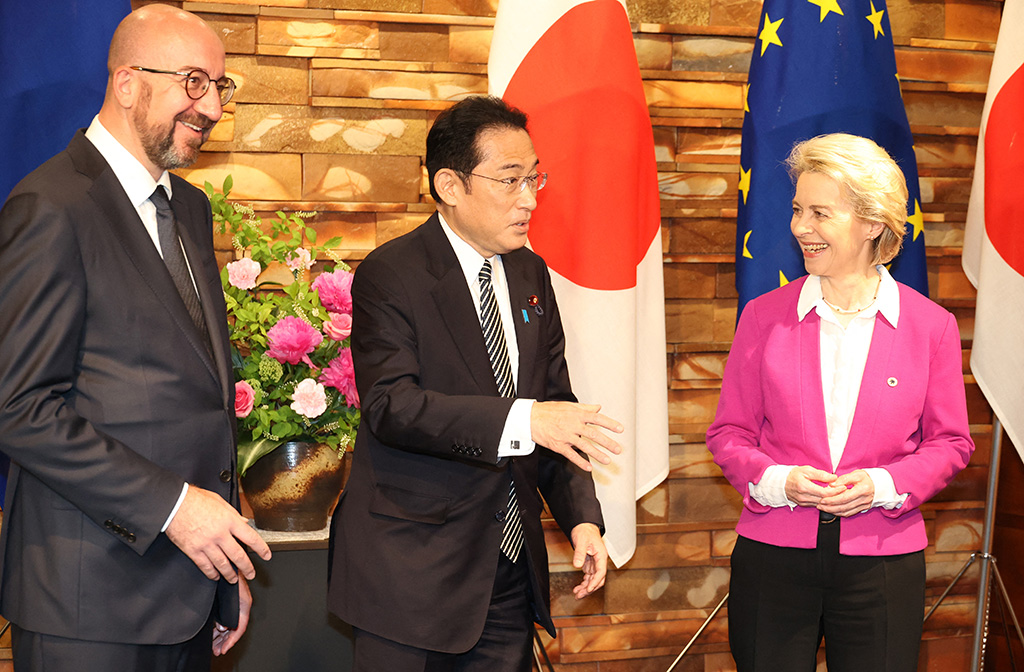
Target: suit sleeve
{"type": "Point", "coordinates": [43, 300]}
{"type": "Point", "coordinates": [945, 444]}
{"type": "Point", "coordinates": [734, 437]}
{"type": "Point", "coordinates": [398, 409]}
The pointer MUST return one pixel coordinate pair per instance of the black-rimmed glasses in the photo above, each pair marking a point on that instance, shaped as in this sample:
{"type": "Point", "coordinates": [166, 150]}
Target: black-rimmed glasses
{"type": "Point", "coordinates": [517, 185]}
{"type": "Point", "coordinates": [197, 83]}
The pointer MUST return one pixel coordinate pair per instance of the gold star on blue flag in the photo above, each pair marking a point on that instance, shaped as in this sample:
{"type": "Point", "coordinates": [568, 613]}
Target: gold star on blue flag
{"type": "Point", "coordinates": [820, 66]}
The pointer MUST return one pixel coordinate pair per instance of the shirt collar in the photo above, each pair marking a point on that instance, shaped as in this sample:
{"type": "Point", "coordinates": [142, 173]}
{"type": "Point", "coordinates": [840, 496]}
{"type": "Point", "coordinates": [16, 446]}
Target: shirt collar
{"type": "Point", "coordinates": [136, 181]}
{"type": "Point", "coordinates": [469, 259]}
{"type": "Point", "coordinates": [887, 303]}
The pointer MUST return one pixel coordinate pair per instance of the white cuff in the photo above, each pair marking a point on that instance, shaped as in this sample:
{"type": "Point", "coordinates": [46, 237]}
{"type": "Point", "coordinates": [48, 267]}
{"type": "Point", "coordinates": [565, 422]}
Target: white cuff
{"type": "Point", "coordinates": [771, 489]}
{"type": "Point", "coordinates": [885, 490]}
{"type": "Point", "coordinates": [177, 505]}
{"type": "Point", "coordinates": [516, 438]}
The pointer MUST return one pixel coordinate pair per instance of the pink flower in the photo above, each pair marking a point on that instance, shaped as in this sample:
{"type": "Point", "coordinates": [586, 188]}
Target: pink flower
{"type": "Point", "coordinates": [309, 398]}
{"type": "Point", "coordinates": [243, 273]}
{"type": "Point", "coordinates": [299, 260]}
{"type": "Point", "coordinates": [338, 327]}
{"type": "Point", "coordinates": [335, 290]}
{"type": "Point", "coordinates": [244, 398]}
{"type": "Point", "coordinates": [341, 375]}
{"type": "Point", "coordinates": [291, 340]}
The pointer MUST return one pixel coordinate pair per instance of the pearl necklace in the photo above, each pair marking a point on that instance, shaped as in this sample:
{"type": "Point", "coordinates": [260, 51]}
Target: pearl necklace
{"type": "Point", "coordinates": [853, 311]}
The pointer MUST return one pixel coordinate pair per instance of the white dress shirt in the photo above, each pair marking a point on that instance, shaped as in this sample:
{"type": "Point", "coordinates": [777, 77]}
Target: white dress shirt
{"type": "Point", "coordinates": [139, 185]}
{"type": "Point", "coordinates": [516, 437]}
{"type": "Point", "coordinates": [844, 353]}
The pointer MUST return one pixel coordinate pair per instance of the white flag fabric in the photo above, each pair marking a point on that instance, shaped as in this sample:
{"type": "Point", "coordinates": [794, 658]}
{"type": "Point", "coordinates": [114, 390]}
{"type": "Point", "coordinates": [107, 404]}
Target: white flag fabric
{"type": "Point", "coordinates": [571, 66]}
{"type": "Point", "coordinates": [993, 256]}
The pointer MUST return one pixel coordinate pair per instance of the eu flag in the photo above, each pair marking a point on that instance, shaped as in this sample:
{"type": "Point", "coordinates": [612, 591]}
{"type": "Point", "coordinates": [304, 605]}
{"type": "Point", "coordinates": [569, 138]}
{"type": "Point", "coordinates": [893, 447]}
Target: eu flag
{"type": "Point", "coordinates": [53, 60]}
{"type": "Point", "coordinates": [819, 66]}
{"type": "Point", "coordinates": [53, 73]}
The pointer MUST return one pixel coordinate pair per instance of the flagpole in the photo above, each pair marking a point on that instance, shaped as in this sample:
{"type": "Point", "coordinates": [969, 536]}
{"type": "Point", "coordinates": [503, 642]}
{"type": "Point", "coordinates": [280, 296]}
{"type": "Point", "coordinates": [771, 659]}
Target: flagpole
{"type": "Point", "coordinates": [988, 562]}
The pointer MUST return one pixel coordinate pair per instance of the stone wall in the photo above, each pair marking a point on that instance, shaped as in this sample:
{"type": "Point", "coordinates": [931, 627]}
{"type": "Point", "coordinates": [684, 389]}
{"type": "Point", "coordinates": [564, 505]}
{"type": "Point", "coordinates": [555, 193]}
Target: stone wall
{"type": "Point", "coordinates": [331, 115]}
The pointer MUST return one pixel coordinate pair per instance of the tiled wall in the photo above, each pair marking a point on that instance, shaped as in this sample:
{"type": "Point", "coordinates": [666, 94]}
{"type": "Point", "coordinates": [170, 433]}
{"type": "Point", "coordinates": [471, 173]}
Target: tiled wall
{"type": "Point", "coordinates": [331, 115]}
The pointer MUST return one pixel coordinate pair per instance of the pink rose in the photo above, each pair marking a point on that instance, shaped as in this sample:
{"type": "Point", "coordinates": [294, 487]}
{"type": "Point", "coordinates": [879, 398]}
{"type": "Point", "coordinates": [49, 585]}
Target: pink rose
{"type": "Point", "coordinates": [338, 327]}
{"type": "Point", "coordinates": [341, 375]}
{"type": "Point", "coordinates": [244, 398]}
{"type": "Point", "coordinates": [299, 260]}
{"type": "Point", "coordinates": [309, 398]}
{"type": "Point", "coordinates": [335, 290]}
{"type": "Point", "coordinates": [243, 273]}
{"type": "Point", "coordinates": [291, 340]}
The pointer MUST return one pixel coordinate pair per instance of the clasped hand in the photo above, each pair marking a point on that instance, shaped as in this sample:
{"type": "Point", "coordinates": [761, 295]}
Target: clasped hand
{"type": "Point", "coordinates": [841, 495]}
{"type": "Point", "coordinates": [565, 427]}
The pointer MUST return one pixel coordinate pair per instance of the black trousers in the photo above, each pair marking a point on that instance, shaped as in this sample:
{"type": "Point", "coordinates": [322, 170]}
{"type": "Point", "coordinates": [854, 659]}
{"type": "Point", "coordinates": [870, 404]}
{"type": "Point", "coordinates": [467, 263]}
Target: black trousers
{"type": "Point", "coordinates": [36, 652]}
{"type": "Point", "coordinates": [504, 646]}
{"type": "Point", "coordinates": [783, 601]}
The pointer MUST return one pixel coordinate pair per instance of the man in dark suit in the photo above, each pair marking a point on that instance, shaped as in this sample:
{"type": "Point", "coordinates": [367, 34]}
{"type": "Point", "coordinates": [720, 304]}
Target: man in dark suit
{"type": "Point", "coordinates": [438, 556]}
{"type": "Point", "coordinates": [122, 546]}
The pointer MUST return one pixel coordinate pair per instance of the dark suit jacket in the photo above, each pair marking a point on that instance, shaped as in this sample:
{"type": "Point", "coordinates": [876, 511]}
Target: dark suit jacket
{"type": "Point", "coordinates": [415, 537]}
{"type": "Point", "coordinates": [109, 402]}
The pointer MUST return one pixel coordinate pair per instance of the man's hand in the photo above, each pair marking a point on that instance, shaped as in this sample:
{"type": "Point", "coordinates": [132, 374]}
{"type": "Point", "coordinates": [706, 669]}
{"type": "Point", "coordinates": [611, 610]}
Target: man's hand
{"type": "Point", "coordinates": [562, 426]}
{"type": "Point", "coordinates": [591, 556]}
{"type": "Point", "coordinates": [223, 638]}
{"type": "Point", "coordinates": [857, 494]}
{"type": "Point", "coordinates": [207, 529]}
{"type": "Point", "coordinates": [807, 486]}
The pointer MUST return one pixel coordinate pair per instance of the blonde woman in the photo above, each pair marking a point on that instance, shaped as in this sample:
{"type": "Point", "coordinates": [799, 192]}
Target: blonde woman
{"type": "Point", "coordinates": [842, 411]}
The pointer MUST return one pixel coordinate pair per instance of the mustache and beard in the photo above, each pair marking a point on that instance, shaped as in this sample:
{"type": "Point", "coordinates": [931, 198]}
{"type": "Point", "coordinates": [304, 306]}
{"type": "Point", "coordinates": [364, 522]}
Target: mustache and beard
{"type": "Point", "coordinates": [158, 139]}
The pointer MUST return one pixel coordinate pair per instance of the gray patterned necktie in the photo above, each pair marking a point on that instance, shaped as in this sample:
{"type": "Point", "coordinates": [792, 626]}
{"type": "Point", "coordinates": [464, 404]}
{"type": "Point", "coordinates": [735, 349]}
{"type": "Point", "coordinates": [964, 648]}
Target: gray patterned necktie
{"type": "Point", "coordinates": [174, 258]}
{"type": "Point", "coordinates": [497, 350]}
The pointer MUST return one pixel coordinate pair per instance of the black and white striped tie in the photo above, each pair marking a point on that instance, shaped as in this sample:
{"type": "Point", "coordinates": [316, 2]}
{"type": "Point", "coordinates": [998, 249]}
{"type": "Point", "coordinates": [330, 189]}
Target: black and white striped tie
{"type": "Point", "coordinates": [497, 350]}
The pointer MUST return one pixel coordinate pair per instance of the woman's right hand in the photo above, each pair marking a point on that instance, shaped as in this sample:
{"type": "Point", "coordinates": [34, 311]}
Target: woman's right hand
{"type": "Point", "coordinates": [807, 486]}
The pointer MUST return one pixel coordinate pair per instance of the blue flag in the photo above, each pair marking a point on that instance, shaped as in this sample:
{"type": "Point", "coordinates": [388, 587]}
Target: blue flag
{"type": "Point", "coordinates": [819, 66]}
{"type": "Point", "coordinates": [53, 56]}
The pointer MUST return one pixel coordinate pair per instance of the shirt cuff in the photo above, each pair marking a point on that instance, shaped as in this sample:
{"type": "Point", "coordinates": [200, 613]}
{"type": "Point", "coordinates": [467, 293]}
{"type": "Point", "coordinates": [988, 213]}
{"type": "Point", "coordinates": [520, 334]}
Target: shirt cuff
{"type": "Point", "coordinates": [771, 489]}
{"type": "Point", "coordinates": [177, 505]}
{"type": "Point", "coordinates": [885, 489]}
{"type": "Point", "coordinates": [516, 438]}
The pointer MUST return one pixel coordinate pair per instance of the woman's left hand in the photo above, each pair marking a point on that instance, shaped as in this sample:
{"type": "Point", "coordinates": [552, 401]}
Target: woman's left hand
{"type": "Point", "coordinates": [860, 492]}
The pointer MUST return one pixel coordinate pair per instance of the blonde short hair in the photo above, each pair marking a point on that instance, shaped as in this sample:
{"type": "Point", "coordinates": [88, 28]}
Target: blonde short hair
{"type": "Point", "coordinates": [872, 184]}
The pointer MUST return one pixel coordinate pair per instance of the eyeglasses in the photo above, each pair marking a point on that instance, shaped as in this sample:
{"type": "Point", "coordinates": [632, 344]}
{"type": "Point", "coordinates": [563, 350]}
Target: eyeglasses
{"type": "Point", "coordinates": [517, 185]}
{"type": "Point", "coordinates": [197, 83]}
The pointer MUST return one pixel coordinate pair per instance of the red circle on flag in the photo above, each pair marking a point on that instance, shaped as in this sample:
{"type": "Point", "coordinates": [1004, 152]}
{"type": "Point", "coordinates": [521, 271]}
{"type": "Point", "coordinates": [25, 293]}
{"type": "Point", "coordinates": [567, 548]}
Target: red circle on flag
{"type": "Point", "coordinates": [1004, 166]}
{"type": "Point", "coordinates": [581, 86]}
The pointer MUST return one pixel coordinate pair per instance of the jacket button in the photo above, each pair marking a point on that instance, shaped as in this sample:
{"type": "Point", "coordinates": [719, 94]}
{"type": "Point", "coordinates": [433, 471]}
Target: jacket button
{"type": "Point", "coordinates": [131, 537]}
{"type": "Point", "coordinates": [225, 476]}
{"type": "Point", "coordinates": [500, 516]}
{"type": "Point", "coordinates": [109, 524]}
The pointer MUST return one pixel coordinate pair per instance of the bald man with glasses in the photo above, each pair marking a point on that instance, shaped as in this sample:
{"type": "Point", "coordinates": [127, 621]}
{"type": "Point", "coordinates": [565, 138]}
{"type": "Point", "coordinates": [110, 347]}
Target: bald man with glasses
{"type": "Point", "coordinates": [122, 547]}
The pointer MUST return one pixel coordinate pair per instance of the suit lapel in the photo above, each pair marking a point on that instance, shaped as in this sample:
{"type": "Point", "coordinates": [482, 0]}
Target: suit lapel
{"type": "Point", "coordinates": [812, 397]}
{"type": "Point", "coordinates": [455, 306]}
{"type": "Point", "coordinates": [203, 270]}
{"type": "Point", "coordinates": [519, 291]}
{"type": "Point", "coordinates": [120, 215]}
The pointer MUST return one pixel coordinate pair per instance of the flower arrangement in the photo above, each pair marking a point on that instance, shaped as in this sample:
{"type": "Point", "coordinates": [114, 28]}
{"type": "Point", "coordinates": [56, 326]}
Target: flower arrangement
{"type": "Point", "coordinates": [290, 353]}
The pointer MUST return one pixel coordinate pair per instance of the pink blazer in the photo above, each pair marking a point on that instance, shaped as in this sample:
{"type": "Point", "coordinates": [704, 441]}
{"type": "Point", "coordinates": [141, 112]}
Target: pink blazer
{"type": "Point", "coordinates": [911, 418]}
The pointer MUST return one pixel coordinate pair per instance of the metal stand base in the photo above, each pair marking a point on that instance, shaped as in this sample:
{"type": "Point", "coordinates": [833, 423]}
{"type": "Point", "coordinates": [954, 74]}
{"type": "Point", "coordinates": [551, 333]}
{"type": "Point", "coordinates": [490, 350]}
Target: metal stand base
{"type": "Point", "coordinates": [697, 634]}
{"type": "Point", "coordinates": [538, 651]}
{"type": "Point", "coordinates": [988, 561]}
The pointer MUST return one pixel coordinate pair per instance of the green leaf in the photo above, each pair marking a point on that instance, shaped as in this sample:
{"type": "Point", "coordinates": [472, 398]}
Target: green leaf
{"type": "Point", "coordinates": [250, 451]}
